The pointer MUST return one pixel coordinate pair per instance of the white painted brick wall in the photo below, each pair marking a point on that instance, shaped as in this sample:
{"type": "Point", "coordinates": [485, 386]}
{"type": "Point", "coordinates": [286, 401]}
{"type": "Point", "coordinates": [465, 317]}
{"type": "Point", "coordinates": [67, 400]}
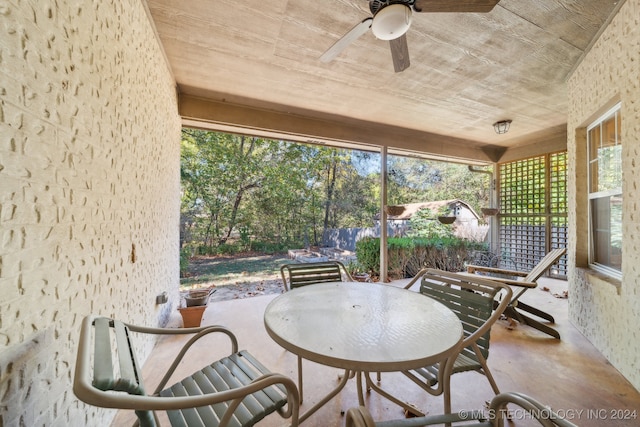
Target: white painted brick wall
{"type": "Point", "coordinates": [89, 166]}
{"type": "Point", "coordinates": [608, 313]}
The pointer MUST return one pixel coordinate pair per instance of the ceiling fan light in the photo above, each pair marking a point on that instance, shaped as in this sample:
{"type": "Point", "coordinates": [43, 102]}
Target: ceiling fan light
{"type": "Point", "coordinates": [391, 22]}
{"type": "Point", "coordinates": [502, 126]}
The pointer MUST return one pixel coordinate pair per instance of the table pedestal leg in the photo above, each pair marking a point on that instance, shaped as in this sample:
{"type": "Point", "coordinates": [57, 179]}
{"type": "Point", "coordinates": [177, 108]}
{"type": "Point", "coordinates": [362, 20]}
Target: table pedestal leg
{"type": "Point", "coordinates": [381, 392]}
{"type": "Point", "coordinates": [360, 393]}
{"type": "Point", "coordinates": [347, 375]}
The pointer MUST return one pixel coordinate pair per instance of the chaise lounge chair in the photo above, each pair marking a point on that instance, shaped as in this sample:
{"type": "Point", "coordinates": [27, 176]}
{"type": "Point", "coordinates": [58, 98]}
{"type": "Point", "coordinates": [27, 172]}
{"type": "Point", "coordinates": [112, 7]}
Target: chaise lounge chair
{"type": "Point", "coordinates": [524, 280]}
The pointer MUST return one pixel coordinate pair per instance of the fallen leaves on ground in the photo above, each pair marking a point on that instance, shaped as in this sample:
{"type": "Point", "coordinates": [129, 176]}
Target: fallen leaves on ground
{"type": "Point", "coordinates": [563, 294]}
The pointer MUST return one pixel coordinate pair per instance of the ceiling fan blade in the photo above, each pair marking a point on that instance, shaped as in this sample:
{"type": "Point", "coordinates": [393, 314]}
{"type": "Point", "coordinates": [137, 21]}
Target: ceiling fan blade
{"type": "Point", "coordinates": [346, 40]}
{"type": "Point", "coordinates": [400, 53]}
{"type": "Point", "coordinates": [481, 6]}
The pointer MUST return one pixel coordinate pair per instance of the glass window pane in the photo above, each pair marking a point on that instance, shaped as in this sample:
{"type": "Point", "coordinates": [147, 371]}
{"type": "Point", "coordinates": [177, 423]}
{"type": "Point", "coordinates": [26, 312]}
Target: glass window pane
{"type": "Point", "coordinates": [609, 132]}
{"type": "Point", "coordinates": [593, 177]}
{"type": "Point", "coordinates": [606, 222]}
{"type": "Point", "coordinates": [605, 188]}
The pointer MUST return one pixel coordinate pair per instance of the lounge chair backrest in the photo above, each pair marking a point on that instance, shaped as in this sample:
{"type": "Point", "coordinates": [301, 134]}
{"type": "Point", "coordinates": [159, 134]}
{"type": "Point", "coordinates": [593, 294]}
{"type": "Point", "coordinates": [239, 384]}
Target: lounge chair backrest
{"type": "Point", "coordinates": [545, 263]}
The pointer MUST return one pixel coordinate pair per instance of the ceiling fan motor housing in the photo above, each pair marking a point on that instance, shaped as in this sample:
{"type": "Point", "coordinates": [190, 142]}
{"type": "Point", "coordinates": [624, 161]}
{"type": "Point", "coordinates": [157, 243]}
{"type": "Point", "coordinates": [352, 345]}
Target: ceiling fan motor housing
{"type": "Point", "coordinates": [390, 19]}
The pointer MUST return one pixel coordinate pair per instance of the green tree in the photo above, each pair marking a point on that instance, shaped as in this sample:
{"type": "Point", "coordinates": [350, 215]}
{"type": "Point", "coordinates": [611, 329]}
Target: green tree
{"type": "Point", "coordinates": [413, 180]}
{"type": "Point", "coordinates": [221, 174]}
{"type": "Point", "coordinates": [248, 189]}
{"type": "Point", "coordinates": [424, 223]}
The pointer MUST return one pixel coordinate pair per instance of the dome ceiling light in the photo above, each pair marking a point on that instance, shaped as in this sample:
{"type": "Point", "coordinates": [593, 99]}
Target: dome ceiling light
{"type": "Point", "coordinates": [502, 126]}
{"type": "Point", "coordinates": [391, 22]}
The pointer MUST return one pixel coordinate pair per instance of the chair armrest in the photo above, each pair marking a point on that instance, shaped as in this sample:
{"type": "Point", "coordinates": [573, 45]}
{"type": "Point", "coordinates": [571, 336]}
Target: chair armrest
{"type": "Point", "coordinates": [497, 310]}
{"type": "Point", "coordinates": [528, 285]}
{"type": "Point", "coordinates": [173, 331]}
{"type": "Point", "coordinates": [416, 278]}
{"type": "Point", "coordinates": [104, 399]}
{"type": "Point", "coordinates": [471, 268]}
{"type": "Point", "coordinates": [359, 417]}
{"type": "Point", "coordinates": [345, 271]}
{"type": "Point", "coordinates": [199, 333]}
{"type": "Point", "coordinates": [511, 282]}
{"type": "Point", "coordinates": [542, 413]}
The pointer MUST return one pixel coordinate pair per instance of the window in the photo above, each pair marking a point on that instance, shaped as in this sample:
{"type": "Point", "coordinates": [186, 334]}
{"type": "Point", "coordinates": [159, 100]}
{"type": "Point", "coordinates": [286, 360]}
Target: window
{"type": "Point", "coordinates": [605, 193]}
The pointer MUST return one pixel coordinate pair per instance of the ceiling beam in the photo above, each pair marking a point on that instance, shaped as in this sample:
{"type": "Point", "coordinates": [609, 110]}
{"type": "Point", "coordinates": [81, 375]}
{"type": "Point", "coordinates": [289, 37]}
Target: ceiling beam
{"type": "Point", "coordinates": [330, 130]}
{"type": "Point", "coordinates": [344, 132]}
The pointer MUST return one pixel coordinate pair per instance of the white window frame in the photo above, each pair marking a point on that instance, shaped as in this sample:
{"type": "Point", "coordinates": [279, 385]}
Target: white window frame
{"type": "Point", "coordinates": [605, 269]}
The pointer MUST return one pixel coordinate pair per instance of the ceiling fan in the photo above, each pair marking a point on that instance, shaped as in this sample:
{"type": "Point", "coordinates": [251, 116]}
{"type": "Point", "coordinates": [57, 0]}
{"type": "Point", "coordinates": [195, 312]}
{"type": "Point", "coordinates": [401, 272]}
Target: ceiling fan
{"type": "Point", "coordinates": [391, 19]}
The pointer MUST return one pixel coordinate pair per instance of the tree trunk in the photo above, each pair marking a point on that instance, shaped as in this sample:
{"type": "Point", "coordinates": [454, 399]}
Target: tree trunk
{"type": "Point", "coordinates": [331, 183]}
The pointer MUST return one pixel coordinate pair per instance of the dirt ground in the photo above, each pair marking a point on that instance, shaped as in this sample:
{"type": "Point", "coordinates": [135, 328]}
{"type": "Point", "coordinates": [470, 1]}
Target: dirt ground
{"type": "Point", "coordinates": [246, 290]}
{"type": "Point", "coordinates": [236, 277]}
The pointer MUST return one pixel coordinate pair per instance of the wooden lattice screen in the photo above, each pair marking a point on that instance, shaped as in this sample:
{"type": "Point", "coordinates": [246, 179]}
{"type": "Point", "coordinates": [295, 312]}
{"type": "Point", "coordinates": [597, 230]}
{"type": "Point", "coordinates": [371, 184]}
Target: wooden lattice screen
{"type": "Point", "coordinates": [533, 211]}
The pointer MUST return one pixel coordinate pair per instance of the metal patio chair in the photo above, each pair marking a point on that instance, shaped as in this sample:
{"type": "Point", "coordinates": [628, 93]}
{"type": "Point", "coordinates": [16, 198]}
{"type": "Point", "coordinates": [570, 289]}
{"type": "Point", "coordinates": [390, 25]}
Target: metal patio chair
{"type": "Point", "coordinates": [236, 390]}
{"type": "Point", "coordinates": [493, 417]}
{"type": "Point", "coordinates": [472, 299]}
{"type": "Point", "coordinates": [309, 273]}
{"type": "Point", "coordinates": [523, 280]}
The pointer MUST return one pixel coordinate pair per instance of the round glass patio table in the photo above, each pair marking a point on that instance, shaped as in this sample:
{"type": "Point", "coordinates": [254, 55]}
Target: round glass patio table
{"type": "Point", "coordinates": [362, 327]}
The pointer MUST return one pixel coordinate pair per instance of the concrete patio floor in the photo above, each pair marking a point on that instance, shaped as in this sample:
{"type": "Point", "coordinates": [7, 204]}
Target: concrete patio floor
{"type": "Point", "coordinates": [570, 375]}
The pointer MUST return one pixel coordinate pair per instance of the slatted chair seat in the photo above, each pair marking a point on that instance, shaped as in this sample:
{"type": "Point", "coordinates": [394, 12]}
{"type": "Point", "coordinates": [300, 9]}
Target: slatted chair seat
{"type": "Point", "coordinates": [234, 391]}
{"type": "Point", "coordinates": [462, 363]}
{"type": "Point", "coordinates": [226, 374]}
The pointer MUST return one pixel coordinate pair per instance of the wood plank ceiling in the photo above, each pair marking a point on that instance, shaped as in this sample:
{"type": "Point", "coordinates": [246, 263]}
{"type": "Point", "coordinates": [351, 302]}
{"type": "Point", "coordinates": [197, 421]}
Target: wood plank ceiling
{"type": "Point", "coordinates": [468, 70]}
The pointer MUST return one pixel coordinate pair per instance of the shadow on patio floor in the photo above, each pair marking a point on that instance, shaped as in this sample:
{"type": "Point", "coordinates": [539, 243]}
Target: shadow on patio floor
{"type": "Point", "coordinates": [569, 374]}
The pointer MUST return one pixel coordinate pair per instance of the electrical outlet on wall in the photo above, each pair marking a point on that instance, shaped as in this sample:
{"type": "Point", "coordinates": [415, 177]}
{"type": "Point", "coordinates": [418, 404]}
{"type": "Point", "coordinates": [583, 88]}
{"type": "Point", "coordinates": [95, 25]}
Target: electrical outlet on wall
{"type": "Point", "coordinates": [162, 298]}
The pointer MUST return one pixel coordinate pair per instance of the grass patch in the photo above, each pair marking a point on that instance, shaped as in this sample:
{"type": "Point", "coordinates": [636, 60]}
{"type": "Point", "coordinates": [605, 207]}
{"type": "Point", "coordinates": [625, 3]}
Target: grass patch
{"type": "Point", "coordinates": [231, 270]}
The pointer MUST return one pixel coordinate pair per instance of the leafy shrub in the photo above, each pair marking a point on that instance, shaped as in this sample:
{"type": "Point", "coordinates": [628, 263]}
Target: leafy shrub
{"type": "Point", "coordinates": [407, 256]}
{"type": "Point", "coordinates": [269, 247]}
{"type": "Point", "coordinates": [228, 249]}
{"type": "Point", "coordinates": [368, 254]}
{"type": "Point", "coordinates": [424, 223]}
{"type": "Point", "coordinates": [206, 250]}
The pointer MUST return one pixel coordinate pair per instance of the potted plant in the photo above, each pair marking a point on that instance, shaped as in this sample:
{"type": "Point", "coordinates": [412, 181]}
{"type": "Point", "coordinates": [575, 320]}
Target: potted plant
{"type": "Point", "coordinates": [446, 219]}
{"type": "Point", "coordinates": [195, 303]}
{"type": "Point", "coordinates": [446, 216]}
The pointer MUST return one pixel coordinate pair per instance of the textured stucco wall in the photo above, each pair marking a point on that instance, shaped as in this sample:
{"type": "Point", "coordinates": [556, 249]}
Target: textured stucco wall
{"type": "Point", "coordinates": [89, 168]}
{"type": "Point", "coordinates": [608, 311]}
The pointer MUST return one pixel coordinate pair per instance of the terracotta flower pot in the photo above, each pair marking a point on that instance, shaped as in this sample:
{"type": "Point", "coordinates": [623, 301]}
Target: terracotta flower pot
{"type": "Point", "coordinates": [192, 316]}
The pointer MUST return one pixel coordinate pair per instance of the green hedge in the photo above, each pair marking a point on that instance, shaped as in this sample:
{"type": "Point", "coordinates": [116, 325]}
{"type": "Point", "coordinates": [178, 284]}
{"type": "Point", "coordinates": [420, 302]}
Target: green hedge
{"type": "Point", "coordinates": [407, 255]}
